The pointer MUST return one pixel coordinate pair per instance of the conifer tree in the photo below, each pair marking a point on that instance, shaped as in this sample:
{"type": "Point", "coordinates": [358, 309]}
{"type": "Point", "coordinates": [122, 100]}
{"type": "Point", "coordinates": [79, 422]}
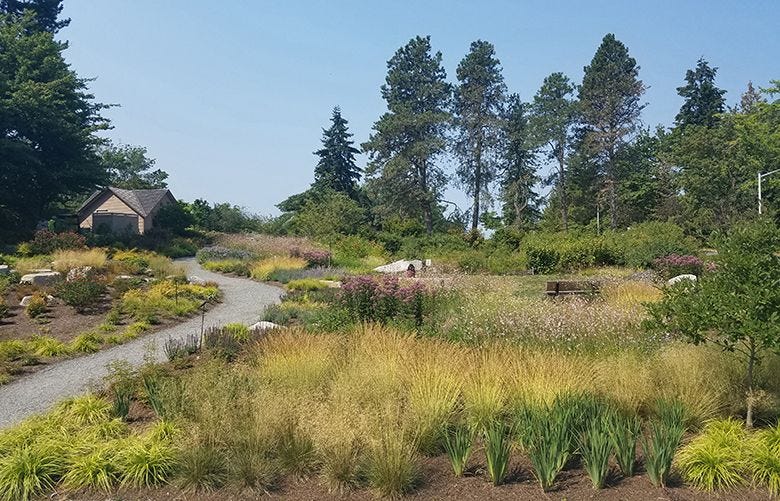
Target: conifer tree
{"type": "Point", "coordinates": [479, 101]}
{"type": "Point", "coordinates": [336, 169]}
{"type": "Point", "coordinates": [703, 99]}
{"type": "Point", "coordinates": [518, 175]}
{"type": "Point", "coordinates": [46, 13]}
{"type": "Point", "coordinates": [407, 138]}
{"type": "Point", "coordinates": [610, 107]}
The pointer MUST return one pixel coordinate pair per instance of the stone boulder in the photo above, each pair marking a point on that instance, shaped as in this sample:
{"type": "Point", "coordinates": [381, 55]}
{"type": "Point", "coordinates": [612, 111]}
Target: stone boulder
{"type": "Point", "coordinates": [79, 273]}
{"type": "Point", "coordinates": [196, 280]}
{"type": "Point", "coordinates": [4, 269]}
{"type": "Point", "coordinates": [26, 300]}
{"type": "Point", "coordinates": [264, 326]}
{"type": "Point", "coordinates": [42, 278]}
{"type": "Point", "coordinates": [680, 278]}
{"type": "Point", "coordinates": [399, 266]}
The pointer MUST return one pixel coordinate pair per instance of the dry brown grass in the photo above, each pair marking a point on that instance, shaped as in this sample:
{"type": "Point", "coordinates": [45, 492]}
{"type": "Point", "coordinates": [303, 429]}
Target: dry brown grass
{"type": "Point", "coordinates": [267, 245]}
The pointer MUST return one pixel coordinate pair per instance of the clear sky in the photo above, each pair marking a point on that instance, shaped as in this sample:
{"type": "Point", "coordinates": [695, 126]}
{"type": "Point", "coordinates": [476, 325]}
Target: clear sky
{"type": "Point", "coordinates": [230, 96]}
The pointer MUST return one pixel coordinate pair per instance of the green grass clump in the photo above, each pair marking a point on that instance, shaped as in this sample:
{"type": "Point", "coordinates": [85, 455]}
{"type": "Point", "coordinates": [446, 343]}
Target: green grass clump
{"type": "Point", "coordinates": [88, 342]}
{"type": "Point", "coordinates": [458, 443]}
{"type": "Point", "coordinates": [85, 410]}
{"type": "Point", "coordinates": [240, 332]}
{"type": "Point", "coordinates": [763, 459]}
{"type": "Point", "coordinates": [145, 462]}
{"type": "Point", "coordinates": [498, 447]}
{"type": "Point", "coordinates": [546, 437]}
{"type": "Point", "coordinates": [202, 468]}
{"type": "Point", "coordinates": [45, 346]}
{"type": "Point", "coordinates": [659, 447]}
{"type": "Point", "coordinates": [29, 470]}
{"type": "Point", "coordinates": [392, 466]}
{"type": "Point", "coordinates": [93, 469]}
{"type": "Point", "coordinates": [714, 459]}
{"type": "Point", "coordinates": [306, 285]}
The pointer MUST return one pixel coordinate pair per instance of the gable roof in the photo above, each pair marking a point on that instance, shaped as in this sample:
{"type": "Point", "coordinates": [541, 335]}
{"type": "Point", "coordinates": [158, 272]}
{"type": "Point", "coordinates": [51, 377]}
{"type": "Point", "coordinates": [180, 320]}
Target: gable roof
{"type": "Point", "coordinates": [141, 201]}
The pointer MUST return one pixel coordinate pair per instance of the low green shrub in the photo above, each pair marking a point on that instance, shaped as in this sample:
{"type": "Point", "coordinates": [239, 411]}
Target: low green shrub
{"type": "Point", "coordinates": [81, 294]}
{"type": "Point", "coordinates": [88, 342]}
{"type": "Point", "coordinates": [36, 307]}
{"type": "Point", "coordinates": [714, 459]}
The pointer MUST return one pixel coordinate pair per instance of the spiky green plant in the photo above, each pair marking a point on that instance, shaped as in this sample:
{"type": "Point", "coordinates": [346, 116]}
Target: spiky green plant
{"type": "Point", "coordinates": [498, 447]}
{"type": "Point", "coordinates": [659, 447]}
{"type": "Point", "coordinates": [123, 397]}
{"type": "Point", "coordinates": [763, 461]}
{"type": "Point", "coordinates": [153, 392]}
{"type": "Point", "coordinates": [28, 471]}
{"type": "Point", "coordinates": [595, 448]}
{"type": "Point", "coordinates": [458, 443]}
{"type": "Point", "coordinates": [624, 431]}
{"type": "Point", "coordinates": [202, 468]}
{"type": "Point", "coordinates": [85, 410]}
{"type": "Point", "coordinates": [548, 442]}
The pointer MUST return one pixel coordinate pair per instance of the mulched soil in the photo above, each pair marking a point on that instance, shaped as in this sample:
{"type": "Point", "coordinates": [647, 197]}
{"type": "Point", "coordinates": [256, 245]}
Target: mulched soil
{"type": "Point", "coordinates": [439, 483]}
{"type": "Point", "coordinates": [60, 321]}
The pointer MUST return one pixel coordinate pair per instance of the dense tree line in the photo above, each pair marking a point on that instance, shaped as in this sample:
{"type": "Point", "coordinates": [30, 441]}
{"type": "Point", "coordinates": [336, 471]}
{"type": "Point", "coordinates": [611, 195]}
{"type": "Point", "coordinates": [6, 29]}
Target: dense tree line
{"type": "Point", "coordinates": [585, 142]}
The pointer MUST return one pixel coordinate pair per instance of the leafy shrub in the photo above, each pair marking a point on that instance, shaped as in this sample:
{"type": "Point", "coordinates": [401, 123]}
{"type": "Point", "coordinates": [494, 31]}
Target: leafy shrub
{"type": "Point", "coordinates": [497, 450]}
{"type": "Point", "coordinates": [458, 443]}
{"type": "Point", "coordinates": [312, 256]}
{"type": "Point", "coordinates": [81, 294]}
{"type": "Point", "coordinates": [36, 307]}
{"type": "Point", "coordinates": [132, 262]}
{"type": "Point", "coordinates": [642, 243]}
{"type": "Point", "coordinates": [306, 285]}
{"type": "Point", "coordinates": [675, 264]}
{"type": "Point", "coordinates": [46, 242]}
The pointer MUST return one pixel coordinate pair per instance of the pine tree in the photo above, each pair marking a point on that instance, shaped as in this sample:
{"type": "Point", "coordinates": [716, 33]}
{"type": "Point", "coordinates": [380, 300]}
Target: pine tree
{"type": "Point", "coordinates": [703, 99]}
{"type": "Point", "coordinates": [46, 13]}
{"type": "Point", "coordinates": [518, 176]}
{"type": "Point", "coordinates": [750, 98]}
{"type": "Point", "coordinates": [407, 138]}
{"type": "Point", "coordinates": [478, 104]}
{"type": "Point", "coordinates": [610, 107]}
{"type": "Point", "coordinates": [336, 169]}
{"type": "Point", "coordinates": [554, 114]}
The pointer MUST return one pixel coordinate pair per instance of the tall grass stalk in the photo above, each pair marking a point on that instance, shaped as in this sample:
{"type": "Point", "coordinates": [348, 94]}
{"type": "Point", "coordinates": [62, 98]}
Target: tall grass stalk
{"type": "Point", "coordinates": [595, 448]}
{"type": "Point", "coordinates": [659, 447]}
{"type": "Point", "coordinates": [624, 431]}
{"type": "Point", "coordinates": [547, 440]}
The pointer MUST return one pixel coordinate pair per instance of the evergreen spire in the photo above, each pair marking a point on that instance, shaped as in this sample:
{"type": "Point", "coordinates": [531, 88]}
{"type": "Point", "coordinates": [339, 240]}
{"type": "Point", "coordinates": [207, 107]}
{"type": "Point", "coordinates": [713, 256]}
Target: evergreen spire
{"type": "Point", "coordinates": [336, 169]}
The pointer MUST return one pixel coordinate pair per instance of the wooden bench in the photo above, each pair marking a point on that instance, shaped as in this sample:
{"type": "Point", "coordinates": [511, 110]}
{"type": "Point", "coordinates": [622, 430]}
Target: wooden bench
{"type": "Point", "coordinates": [557, 288]}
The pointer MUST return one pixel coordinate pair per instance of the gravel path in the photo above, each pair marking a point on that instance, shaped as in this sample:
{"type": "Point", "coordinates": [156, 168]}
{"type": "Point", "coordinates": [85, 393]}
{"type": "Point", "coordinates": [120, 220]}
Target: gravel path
{"type": "Point", "coordinates": [243, 301]}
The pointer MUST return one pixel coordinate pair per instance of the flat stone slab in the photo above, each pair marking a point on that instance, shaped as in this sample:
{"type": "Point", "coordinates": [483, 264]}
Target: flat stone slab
{"type": "Point", "coordinates": [400, 266]}
{"type": "Point", "coordinates": [4, 269]}
{"type": "Point", "coordinates": [41, 278]}
{"type": "Point", "coordinates": [331, 284]}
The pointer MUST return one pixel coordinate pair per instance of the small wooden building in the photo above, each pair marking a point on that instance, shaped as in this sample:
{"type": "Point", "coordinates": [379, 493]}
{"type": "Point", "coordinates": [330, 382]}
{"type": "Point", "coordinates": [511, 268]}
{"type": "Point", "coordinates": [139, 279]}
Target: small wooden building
{"type": "Point", "coordinates": [119, 211]}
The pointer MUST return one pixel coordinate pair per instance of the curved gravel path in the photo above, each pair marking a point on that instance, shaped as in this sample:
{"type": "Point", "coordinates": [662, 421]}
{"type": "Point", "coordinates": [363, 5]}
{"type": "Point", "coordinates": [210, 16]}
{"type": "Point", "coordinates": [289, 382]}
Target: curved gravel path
{"type": "Point", "coordinates": [243, 301]}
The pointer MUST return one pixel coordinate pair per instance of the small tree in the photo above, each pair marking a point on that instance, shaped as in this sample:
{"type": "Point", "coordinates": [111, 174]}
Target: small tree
{"type": "Point", "coordinates": [736, 306]}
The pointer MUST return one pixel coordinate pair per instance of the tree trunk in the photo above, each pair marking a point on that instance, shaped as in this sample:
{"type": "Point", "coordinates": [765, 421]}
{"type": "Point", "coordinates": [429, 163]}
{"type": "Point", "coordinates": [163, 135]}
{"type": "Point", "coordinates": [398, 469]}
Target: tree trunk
{"type": "Point", "coordinates": [427, 210]}
{"type": "Point", "coordinates": [477, 186]}
{"type": "Point", "coordinates": [749, 383]}
{"type": "Point", "coordinates": [562, 188]}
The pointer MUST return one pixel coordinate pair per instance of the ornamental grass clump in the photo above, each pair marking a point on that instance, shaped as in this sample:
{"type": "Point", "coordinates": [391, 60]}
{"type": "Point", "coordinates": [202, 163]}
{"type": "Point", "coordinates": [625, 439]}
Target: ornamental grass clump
{"type": "Point", "coordinates": [763, 459]}
{"type": "Point", "coordinates": [715, 459]}
{"type": "Point", "coordinates": [263, 269]}
{"type": "Point", "coordinates": [392, 465]}
{"type": "Point", "coordinates": [545, 436]}
{"type": "Point", "coordinates": [595, 448]}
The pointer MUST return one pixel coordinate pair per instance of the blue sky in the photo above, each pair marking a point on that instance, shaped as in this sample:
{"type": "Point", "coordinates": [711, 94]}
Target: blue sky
{"type": "Point", "coordinates": [230, 96]}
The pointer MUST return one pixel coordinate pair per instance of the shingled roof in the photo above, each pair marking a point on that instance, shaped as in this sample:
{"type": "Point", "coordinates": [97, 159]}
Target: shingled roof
{"type": "Point", "coordinates": [141, 201]}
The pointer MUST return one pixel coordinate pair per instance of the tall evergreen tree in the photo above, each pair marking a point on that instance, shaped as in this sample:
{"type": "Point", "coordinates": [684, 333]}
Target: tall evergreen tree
{"type": "Point", "coordinates": [411, 134]}
{"type": "Point", "coordinates": [46, 13]}
{"type": "Point", "coordinates": [48, 121]}
{"type": "Point", "coordinates": [703, 99]}
{"type": "Point", "coordinates": [478, 104]}
{"type": "Point", "coordinates": [336, 169]}
{"type": "Point", "coordinates": [518, 173]}
{"type": "Point", "coordinates": [610, 106]}
{"type": "Point", "coordinates": [554, 114]}
{"type": "Point", "coordinates": [750, 98]}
